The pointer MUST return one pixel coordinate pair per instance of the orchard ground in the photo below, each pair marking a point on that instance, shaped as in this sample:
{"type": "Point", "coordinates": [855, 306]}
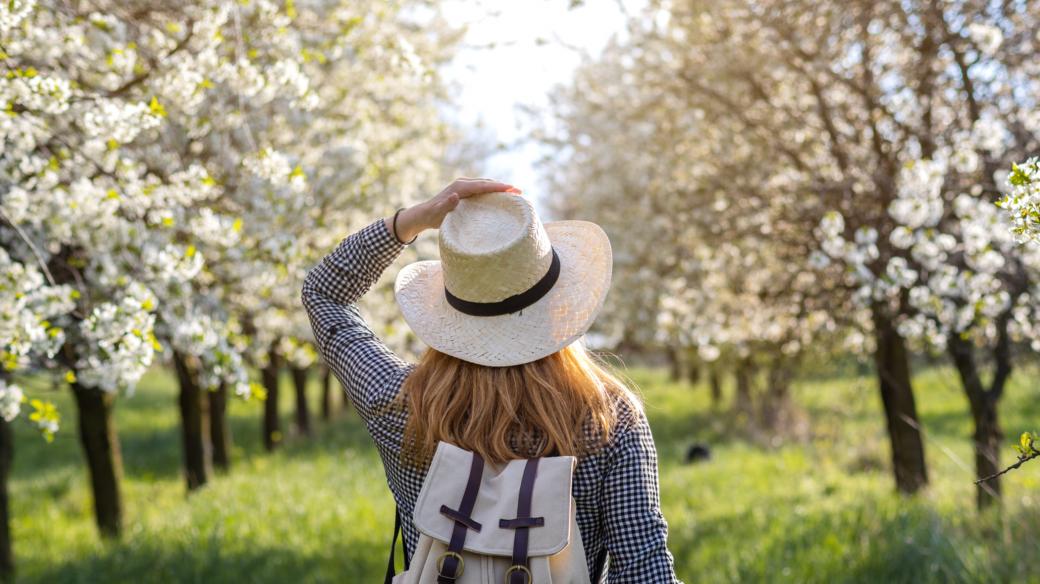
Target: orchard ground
{"type": "Point", "coordinates": [318, 510]}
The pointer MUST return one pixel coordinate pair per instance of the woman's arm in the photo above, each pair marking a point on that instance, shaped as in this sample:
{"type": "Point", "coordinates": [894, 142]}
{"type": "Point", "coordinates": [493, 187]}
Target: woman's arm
{"type": "Point", "coordinates": [635, 529]}
{"type": "Point", "coordinates": [368, 370]}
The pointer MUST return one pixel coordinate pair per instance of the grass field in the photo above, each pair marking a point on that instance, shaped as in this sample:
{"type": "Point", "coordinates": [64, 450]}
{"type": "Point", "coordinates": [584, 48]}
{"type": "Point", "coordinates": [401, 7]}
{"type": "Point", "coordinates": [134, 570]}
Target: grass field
{"type": "Point", "coordinates": [318, 510]}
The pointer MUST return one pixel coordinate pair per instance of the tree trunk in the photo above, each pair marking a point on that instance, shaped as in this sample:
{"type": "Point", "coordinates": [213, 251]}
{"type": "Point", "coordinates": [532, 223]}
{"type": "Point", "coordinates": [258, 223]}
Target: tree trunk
{"type": "Point", "coordinates": [988, 435]}
{"type": "Point", "coordinates": [303, 413]}
{"type": "Point", "coordinates": [97, 432]}
{"type": "Point", "coordinates": [219, 431]}
{"type": "Point", "coordinates": [988, 443]}
{"type": "Point", "coordinates": [193, 427]}
{"type": "Point", "coordinates": [893, 370]}
{"type": "Point", "coordinates": [693, 372]}
{"type": "Point", "coordinates": [6, 456]}
{"type": "Point", "coordinates": [744, 378]}
{"type": "Point", "coordinates": [675, 372]}
{"type": "Point", "coordinates": [715, 381]}
{"type": "Point", "coordinates": [776, 401]}
{"type": "Point", "coordinates": [272, 433]}
{"type": "Point", "coordinates": [326, 393]}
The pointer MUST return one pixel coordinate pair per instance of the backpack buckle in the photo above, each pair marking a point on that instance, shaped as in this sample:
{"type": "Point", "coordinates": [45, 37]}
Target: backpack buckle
{"type": "Point", "coordinates": [458, 570]}
{"type": "Point", "coordinates": [518, 568]}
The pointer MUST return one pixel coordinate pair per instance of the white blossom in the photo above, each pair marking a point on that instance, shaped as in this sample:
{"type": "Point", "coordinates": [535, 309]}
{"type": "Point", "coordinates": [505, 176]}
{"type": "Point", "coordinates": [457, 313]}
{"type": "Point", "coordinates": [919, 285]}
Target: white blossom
{"type": "Point", "coordinates": [11, 398]}
{"type": "Point", "coordinates": [986, 36]}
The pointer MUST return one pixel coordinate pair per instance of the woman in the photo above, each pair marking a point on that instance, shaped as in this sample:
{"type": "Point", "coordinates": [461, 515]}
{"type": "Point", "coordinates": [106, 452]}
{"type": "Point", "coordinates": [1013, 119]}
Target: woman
{"type": "Point", "coordinates": [506, 374]}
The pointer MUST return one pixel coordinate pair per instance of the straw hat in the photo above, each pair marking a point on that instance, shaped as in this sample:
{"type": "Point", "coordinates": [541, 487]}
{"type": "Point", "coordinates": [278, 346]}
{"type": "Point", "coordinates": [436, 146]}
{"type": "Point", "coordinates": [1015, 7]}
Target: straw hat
{"type": "Point", "coordinates": [508, 289]}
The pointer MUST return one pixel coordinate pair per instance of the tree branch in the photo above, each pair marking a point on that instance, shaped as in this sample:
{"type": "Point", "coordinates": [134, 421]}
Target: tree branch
{"type": "Point", "coordinates": [1021, 460]}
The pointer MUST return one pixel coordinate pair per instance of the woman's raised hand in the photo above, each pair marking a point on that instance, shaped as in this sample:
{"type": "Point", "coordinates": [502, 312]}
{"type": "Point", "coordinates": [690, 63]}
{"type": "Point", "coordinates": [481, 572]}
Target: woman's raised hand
{"type": "Point", "coordinates": [429, 214]}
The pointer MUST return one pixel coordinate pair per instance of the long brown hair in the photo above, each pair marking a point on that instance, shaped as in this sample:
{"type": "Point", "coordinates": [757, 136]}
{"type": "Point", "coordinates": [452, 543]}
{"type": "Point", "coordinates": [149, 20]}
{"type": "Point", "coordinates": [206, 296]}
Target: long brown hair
{"type": "Point", "coordinates": [563, 404]}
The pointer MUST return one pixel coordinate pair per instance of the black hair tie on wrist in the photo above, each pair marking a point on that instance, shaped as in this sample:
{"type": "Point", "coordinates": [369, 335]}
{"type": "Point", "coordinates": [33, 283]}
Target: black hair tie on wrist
{"type": "Point", "coordinates": [396, 213]}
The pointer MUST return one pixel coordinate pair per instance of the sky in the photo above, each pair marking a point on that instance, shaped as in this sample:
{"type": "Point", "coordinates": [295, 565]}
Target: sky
{"type": "Point", "coordinates": [513, 54]}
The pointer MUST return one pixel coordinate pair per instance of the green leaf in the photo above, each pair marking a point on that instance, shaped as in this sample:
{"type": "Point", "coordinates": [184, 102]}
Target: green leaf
{"type": "Point", "coordinates": [1018, 177]}
{"type": "Point", "coordinates": [157, 108]}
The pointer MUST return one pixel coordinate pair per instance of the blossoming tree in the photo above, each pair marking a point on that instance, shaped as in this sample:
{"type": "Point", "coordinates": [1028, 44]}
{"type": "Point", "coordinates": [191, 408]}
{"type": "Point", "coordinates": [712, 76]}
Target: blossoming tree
{"type": "Point", "coordinates": [170, 173]}
{"type": "Point", "coordinates": [859, 139]}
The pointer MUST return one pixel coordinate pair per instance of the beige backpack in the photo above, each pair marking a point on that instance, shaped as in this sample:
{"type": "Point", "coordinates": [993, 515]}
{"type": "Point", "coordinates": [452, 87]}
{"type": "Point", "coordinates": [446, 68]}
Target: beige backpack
{"type": "Point", "coordinates": [504, 524]}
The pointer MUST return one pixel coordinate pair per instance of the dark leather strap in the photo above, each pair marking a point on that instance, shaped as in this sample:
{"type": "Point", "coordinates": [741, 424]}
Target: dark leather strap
{"type": "Point", "coordinates": [513, 303]}
{"type": "Point", "coordinates": [518, 523]}
{"type": "Point", "coordinates": [601, 561]}
{"type": "Point", "coordinates": [449, 567]}
{"type": "Point", "coordinates": [453, 514]}
{"type": "Point", "coordinates": [390, 569]}
{"type": "Point", "coordinates": [523, 522]}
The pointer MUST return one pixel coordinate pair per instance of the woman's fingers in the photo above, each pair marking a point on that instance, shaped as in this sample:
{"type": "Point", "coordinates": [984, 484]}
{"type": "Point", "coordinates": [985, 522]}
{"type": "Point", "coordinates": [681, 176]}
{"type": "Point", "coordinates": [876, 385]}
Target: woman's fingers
{"type": "Point", "coordinates": [480, 187]}
{"type": "Point", "coordinates": [476, 186]}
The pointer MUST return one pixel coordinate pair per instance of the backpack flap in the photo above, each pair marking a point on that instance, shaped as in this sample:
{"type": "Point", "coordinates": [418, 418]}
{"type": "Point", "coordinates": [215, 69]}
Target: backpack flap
{"type": "Point", "coordinates": [497, 499]}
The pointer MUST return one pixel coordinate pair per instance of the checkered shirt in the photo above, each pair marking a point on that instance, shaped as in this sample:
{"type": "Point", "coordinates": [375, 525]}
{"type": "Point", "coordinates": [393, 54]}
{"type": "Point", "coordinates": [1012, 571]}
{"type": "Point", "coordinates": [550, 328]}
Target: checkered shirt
{"type": "Point", "coordinates": [615, 490]}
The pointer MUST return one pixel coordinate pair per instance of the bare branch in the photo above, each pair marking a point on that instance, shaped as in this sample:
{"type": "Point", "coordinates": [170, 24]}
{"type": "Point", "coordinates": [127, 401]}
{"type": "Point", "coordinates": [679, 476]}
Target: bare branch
{"type": "Point", "coordinates": [32, 247]}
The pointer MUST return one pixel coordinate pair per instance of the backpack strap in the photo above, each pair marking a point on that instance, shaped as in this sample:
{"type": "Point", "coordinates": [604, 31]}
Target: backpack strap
{"type": "Point", "coordinates": [450, 565]}
{"type": "Point", "coordinates": [601, 560]}
{"type": "Point", "coordinates": [390, 569]}
{"type": "Point", "coordinates": [519, 573]}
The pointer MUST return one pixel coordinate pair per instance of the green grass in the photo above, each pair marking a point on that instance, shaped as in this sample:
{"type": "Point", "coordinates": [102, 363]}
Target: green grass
{"type": "Point", "coordinates": [318, 510]}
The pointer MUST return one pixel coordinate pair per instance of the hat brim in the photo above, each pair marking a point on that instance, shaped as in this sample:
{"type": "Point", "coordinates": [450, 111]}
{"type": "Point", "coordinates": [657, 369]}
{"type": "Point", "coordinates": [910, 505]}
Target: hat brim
{"type": "Point", "coordinates": [556, 320]}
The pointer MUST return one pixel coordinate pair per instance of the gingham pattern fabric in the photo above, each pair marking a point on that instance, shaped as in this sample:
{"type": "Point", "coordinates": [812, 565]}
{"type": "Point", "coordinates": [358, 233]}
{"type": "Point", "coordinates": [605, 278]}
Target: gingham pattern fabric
{"type": "Point", "coordinates": [615, 490]}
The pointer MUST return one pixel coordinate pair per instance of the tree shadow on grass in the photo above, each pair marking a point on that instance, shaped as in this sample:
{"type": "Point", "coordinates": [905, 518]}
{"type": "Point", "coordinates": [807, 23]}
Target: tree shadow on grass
{"type": "Point", "coordinates": [150, 436]}
{"type": "Point", "coordinates": [157, 454]}
{"type": "Point", "coordinates": [864, 541]}
{"type": "Point", "coordinates": [149, 562]}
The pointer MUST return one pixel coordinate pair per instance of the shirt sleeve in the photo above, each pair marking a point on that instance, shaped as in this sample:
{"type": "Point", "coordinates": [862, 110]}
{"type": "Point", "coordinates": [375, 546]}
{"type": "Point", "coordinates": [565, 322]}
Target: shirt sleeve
{"type": "Point", "coordinates": [634, 527]}
{"type": "Point", "coordinates": [369, 371]}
